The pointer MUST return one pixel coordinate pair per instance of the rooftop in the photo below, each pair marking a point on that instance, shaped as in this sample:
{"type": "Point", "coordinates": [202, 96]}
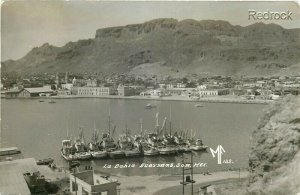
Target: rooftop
{"type": "Point", "coordinates": [92, 179]}
{"type": "Point", "coordinates": [39, 90]}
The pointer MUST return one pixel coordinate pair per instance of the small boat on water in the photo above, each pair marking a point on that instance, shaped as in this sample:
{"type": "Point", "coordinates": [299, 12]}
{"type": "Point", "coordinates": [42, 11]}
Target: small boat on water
{"type": "Point", "coordinates": [199, 105]}
{"type": "Point", "coordinates": [150, 106]}
{"type": "Point", "coordinates": [41, 101]}
{"type": "Point", "coordinates": [52, 102]}
{"type": "Point", "coordinates": [46, 161]}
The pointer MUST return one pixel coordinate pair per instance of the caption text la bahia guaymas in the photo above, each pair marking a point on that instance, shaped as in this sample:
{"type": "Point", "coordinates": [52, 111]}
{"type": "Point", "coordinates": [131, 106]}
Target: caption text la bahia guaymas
{"type": "Point", "coordinates": [153, 165]}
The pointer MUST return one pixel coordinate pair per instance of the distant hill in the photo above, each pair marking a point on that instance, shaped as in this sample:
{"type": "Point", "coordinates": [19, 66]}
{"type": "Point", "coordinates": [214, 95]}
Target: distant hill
{"type": "Point", "coordinates": [172, 47]}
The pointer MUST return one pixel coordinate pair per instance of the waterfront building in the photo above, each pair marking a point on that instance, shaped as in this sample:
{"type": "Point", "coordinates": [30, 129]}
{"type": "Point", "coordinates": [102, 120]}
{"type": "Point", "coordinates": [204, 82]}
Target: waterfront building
{"type": "Point", "coordinates": [87, 182]}
{"type": "Point", "coordinates": [153, 93]}
{"type": "Point", "coordinates": [92, 91]}
{"type": "Point", "coordinates": [11, 93]}
{"type": "Point", "coordinates": [35, 92]}
{"type": "Point", "coordinates": [204, 93]}
{"type": "Point", "coordinates": [125, 91]}
{"type": "Point", "coordinates": [214, 92]}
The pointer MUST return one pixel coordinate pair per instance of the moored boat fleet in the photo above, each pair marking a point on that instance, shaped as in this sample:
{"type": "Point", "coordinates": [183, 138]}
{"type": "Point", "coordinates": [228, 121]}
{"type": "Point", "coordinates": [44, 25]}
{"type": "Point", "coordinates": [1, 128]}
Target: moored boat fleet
{"type": "Point", "coordinates": [158, 142]}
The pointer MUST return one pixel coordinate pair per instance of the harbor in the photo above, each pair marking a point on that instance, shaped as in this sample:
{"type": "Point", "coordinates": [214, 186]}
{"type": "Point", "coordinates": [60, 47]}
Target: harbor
{"type": "Point", "coordinates": [213, 123]}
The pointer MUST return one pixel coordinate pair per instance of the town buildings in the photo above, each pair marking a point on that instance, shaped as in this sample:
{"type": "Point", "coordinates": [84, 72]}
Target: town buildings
{"type": "Point", "coordinates": [131, 85]}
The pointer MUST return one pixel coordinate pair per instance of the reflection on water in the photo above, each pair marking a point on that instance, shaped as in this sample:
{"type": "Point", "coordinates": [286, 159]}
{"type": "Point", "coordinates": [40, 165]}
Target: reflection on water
{"type": "Point", "coordinates": [37, 128]}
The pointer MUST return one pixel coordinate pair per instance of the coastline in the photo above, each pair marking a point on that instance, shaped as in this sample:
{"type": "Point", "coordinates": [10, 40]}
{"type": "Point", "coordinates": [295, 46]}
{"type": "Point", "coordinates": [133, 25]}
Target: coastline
{"type": "Point", "coordinates": [215, 99]}
{"type": "Point", "coordinates": [170, 184]}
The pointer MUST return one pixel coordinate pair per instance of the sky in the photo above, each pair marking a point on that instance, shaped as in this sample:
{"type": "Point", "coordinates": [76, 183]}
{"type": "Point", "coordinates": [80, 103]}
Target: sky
{"type": "Point", "coordinates": [28, 24]}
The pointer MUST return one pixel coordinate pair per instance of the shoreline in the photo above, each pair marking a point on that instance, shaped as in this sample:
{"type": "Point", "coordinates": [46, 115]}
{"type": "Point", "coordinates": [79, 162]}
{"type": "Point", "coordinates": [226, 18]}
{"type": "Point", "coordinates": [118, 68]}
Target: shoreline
{"type": "Point", "coordinates": [169, 184]}
{"type": "Point", "coordinates": [217, 99]}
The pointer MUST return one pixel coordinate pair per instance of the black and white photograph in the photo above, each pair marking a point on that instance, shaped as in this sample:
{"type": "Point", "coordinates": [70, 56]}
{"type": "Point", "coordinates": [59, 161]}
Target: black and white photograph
{"type": "Point", "coordinates": [150, 97]}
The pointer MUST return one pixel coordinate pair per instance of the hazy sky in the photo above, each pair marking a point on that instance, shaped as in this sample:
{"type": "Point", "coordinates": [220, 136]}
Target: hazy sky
{"type": "Point", "coordinates": [26, 24]}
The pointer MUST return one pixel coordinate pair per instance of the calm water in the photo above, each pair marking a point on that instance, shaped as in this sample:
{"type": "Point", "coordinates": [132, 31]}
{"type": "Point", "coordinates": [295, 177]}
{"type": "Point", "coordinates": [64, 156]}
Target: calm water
{"type": "Point", "coordinates": [37, 128]}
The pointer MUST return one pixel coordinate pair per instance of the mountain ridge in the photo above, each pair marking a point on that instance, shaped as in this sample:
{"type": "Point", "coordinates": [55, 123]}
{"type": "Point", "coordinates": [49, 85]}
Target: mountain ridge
{"type": "Point", "coordinates": [187, 46]}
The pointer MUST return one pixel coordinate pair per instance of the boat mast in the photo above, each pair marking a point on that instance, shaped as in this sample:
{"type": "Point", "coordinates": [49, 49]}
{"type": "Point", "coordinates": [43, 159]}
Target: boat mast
{"type": "Point", "coordinates": [0, 137]}
{"type": "Point", "coordinates": [157, 125]}
{"type": "Point", "coordinates": [170, 119]}
{"type": "Point", "coordinates": [141, 123]}
{"type": "Point", "coordinates": [95, 134]}
{"type": "Point", "coordinates": [68, 130]}
{"type": "Point", "coordinates": [109, 121]}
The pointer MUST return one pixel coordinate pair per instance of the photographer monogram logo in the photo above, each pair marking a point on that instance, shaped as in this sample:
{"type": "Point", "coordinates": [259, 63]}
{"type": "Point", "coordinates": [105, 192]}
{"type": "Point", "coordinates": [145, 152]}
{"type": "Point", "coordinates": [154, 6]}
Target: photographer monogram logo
{"type": "Point", "coordinates": [218, 153]}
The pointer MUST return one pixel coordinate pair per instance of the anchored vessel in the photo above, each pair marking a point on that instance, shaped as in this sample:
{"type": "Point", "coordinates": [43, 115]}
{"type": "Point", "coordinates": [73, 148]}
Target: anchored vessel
{"type": "Point", "coordinates": [158, 142]}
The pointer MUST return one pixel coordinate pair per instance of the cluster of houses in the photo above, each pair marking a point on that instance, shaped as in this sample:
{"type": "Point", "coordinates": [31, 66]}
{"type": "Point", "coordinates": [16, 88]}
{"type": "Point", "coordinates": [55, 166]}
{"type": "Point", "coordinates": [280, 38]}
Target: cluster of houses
{"type": "Point", "coordinates": [263, 88]}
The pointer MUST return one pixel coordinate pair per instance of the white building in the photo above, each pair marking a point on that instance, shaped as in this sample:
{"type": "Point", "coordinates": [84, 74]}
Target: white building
{"type": "Point", "coordinates": [88, 182]}
{"type": "Point", "coordinates": [153, 93]}
{"type": "Point", "coordinates": [204, 93]}
{"type": "Point", "coordinates": [67, 86]}
{"type": "Point", "coordinates": [92, 91]}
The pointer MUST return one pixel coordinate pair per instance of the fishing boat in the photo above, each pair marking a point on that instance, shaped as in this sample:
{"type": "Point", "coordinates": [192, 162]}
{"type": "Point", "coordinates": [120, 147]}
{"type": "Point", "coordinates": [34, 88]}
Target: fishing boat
{"type": "Point", "coordinates": [80, 148]}
{"type": "Point", "coordinates": [67, 151]}
{"type": "Point", "coordinates": [95, 149]}
{"type": "Point", "coordinates": [150, 151]}
{"type": "Point", "coordinates": [145, 148]}
{"type": "Point", "coordinates": [52, 102]}
{"type": "Point", "coordinates": [196, 145]}
{"type": "Point", "coordinates": [169, 146]}
{"type": "Point", "coordinates": [108, 143]}
{"type": "Point", "coordinates": [111, 148]}
{"type": "Point", "coordinates": [180, 144]}
{"type": "Point", "coordinates": [126, 144]}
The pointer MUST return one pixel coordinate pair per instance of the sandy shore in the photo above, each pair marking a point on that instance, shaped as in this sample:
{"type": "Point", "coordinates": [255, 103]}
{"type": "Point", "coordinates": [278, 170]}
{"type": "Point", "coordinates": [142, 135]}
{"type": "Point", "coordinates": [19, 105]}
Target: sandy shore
{"type": "Point", "coordinates": [155, 184]}
{"type": "Point", "coordinates": [215, 99]}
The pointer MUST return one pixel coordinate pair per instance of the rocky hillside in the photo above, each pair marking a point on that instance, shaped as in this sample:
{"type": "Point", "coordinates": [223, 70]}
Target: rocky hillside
{"type": "Point", "coordinates": [171, 46]}
{"type": "Point", "coordinates": [275, 155]}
